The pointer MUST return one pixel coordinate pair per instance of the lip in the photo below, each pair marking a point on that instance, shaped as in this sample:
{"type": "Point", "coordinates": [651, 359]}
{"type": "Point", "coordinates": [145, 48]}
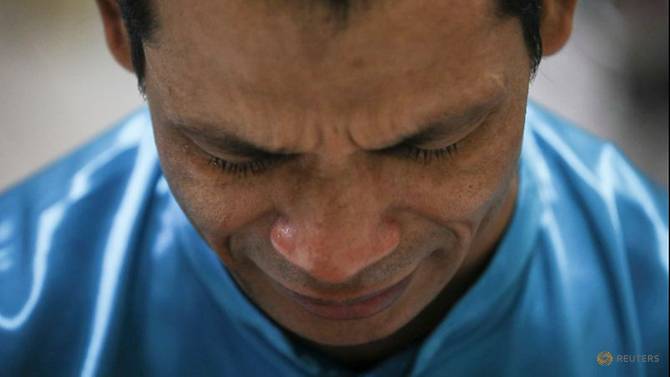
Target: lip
{"type": "Point", "coordinates": [355, 308]}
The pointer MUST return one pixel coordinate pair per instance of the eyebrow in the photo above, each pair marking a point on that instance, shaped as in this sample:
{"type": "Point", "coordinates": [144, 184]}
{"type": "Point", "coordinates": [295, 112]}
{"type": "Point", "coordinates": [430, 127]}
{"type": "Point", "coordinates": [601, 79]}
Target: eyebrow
{"type": "Point", "coordinates": [446, 123]}
{"type": "Point", "coordinates": [227, 141]}
{"type": "Point", "coordinates": [436, 127]}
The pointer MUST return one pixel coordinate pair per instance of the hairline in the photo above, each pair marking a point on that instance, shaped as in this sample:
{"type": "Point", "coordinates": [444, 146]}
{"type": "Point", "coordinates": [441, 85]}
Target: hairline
{"type": "Point", "coordinates": [141, 24]}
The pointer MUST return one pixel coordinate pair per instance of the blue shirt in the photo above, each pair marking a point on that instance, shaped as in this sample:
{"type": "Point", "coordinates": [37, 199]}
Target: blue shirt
{"type": "Point", "coordinates": [102, 274]}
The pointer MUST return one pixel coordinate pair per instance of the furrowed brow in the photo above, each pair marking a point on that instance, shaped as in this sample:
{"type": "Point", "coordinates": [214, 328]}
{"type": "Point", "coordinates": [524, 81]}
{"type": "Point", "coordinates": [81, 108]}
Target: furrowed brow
{"type": "Point", "coordinates": [226, 141]}
{"type": "Point", "coordinates": [445, 124]}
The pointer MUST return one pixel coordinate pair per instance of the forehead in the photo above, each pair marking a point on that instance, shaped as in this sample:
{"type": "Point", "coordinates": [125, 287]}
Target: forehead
{"type": "Point", "coordinates": [293, 56]}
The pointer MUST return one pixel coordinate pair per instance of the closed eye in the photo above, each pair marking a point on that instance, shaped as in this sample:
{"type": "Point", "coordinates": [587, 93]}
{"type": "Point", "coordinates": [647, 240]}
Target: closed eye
{"type": "Point", "coordinates": [263, 163]}
{"type": "Point", "coordinates": [421, 155]}
{"type": "Point", "coordinates": [257, 165]}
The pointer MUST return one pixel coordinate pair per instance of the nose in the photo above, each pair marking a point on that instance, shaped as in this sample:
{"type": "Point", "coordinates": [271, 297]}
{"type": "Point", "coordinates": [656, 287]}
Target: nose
{"type": "Point", "coordinates": [334, 245]}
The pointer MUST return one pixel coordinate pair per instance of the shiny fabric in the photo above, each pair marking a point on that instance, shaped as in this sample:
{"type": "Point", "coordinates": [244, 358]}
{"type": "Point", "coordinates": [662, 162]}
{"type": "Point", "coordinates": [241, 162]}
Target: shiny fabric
{"type": "Point", "coordinates": [101, 274]}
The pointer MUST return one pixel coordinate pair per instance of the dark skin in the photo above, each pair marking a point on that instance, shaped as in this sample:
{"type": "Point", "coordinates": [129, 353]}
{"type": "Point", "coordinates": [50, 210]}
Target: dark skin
{"type": "Point", "coordinates": [319, 157]}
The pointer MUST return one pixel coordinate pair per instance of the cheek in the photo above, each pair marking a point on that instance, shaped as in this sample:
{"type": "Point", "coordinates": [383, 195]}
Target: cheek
{"type": "Point", "coordinates": [214, 201]}
{"type": "Point", "coordinates": [465, 188]}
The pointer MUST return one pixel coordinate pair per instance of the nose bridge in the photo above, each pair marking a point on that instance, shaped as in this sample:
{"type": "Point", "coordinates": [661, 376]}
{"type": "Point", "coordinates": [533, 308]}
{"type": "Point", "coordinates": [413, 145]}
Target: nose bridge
{"type": "Point", "coordinates": [331, 200]}
{"type": "Point", "coordinates": [335, 229]}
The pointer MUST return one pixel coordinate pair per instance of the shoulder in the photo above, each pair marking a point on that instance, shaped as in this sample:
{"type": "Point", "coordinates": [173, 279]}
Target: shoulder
{"type": "Point", "coordinates": [605, 227]}
{"type": "Point", "coordinates": [56, 225]}
{"type": "Point", "coordinates": [89, 179]}
{"type": "Point", "coordinates": [577, 166]}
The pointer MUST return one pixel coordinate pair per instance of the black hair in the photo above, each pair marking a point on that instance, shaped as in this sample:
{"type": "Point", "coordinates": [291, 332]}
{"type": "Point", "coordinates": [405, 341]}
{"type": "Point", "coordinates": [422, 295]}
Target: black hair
{"type": "Point", "coordinates": [141, 23]}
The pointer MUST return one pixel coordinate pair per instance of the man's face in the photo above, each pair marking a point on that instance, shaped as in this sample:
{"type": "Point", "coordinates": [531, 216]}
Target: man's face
{"type": "Point", "coordinates": [286, 135]}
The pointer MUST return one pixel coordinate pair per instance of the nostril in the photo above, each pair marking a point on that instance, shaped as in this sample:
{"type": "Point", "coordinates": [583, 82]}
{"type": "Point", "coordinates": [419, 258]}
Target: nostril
{"type": "Point", "coordinates": [283, 236]}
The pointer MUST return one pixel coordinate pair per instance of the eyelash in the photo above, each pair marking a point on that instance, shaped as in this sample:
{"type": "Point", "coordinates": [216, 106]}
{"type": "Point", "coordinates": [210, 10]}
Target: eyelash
{"type": "Point", "coordinates": [425, 156]}
{"type": "Point", "coordinates": [243, 169]}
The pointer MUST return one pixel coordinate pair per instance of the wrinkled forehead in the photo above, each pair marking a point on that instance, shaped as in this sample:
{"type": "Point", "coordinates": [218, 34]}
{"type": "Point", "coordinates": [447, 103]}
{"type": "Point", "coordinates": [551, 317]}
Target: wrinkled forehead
{"type": "Point", "coordinates": [310, 49]}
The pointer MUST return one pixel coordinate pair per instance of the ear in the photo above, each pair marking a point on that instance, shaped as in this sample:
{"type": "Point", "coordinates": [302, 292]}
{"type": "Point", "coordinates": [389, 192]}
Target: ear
{"type": "Point", "coordinates": [556, 24]}
{"type": "Point", "coordinates": [116, 33]}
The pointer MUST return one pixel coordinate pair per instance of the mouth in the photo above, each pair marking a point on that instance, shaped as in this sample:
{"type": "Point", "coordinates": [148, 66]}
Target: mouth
{"type": "Point", "coordinates": [355, 308]}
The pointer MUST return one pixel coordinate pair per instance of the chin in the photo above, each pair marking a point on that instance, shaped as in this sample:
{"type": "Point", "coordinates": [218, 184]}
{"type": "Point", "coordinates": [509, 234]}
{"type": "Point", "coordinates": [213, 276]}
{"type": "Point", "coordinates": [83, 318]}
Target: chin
{"type": "Point", "coordinates": [354, 332]}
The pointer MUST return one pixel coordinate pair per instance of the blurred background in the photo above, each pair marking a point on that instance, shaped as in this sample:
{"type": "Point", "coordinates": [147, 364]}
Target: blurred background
{"type": "Point", "coordinates": [59, 86]}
